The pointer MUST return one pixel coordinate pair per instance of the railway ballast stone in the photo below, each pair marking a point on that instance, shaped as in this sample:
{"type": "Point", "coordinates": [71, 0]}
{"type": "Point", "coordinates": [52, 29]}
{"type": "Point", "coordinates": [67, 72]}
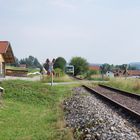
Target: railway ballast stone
{"type": "Point", "coordinates": [92, 119]}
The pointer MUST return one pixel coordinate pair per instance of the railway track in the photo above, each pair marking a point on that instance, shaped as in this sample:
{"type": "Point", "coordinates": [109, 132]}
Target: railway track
{"type": "Point", "coordinates": [126, 93]}
{"type": "Point", "coordinates": [129, 102]}
{"type": "Point", "coordinates": [93, 118]}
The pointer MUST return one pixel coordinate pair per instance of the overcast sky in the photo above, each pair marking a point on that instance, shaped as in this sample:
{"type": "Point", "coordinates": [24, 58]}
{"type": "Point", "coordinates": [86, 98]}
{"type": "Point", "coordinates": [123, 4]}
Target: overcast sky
{"type": "Point", "coordinates": [102, 31]}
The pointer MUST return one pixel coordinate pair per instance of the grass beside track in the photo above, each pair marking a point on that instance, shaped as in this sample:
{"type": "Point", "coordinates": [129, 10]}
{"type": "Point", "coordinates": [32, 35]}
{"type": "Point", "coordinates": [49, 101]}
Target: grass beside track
{"type": "Point", "coordinates": [64, 78]}
{"type": "Point", "coordinates": [130, 85]}
{"type": "Point", "coordinates": [33, 111]}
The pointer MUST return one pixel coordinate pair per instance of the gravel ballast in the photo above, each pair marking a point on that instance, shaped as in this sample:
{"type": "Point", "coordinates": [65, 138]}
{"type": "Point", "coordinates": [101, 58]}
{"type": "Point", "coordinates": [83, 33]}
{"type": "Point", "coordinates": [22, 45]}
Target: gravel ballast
{"type": "Point", "coordinates": [92, 119]}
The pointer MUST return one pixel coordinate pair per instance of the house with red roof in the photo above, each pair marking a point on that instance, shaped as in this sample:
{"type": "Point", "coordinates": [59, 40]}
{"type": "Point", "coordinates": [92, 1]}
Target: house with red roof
{"type": "Point", "coordinates": [133, 72]}
{"type": "Point", "coordinates": [6, 56]}
{"type": "Point", "coordinates": [94, 67]}
{"type": "Point", "coordinates": [128, 73]}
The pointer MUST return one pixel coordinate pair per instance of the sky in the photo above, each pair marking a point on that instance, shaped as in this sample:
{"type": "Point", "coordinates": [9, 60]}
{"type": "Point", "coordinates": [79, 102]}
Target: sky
{"type": "Point", "coordinates": [101, 31]}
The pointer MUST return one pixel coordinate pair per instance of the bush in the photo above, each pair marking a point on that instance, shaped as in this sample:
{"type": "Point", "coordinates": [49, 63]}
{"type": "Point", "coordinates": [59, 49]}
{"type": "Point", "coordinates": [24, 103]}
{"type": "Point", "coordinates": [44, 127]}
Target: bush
{"type": "Point", "coordinates": [60, 63]}
{"type": "Point", "coordinates": [59, 72]}
{"type": "Point", "coordinates": [89, 73]}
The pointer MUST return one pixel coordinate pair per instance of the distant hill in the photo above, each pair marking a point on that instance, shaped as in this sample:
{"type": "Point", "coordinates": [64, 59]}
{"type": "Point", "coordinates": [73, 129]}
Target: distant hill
{"type": "Point", "coordinates": [135, 64]}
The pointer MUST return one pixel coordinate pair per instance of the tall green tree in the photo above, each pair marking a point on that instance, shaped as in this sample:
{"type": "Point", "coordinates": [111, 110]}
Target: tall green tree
{"type": "Point", "coordinates": [125, 68]}
{"type": "Point", "coordinates": [104, 68]}
{"type": "Point", "coordinates": [16, 63]}
{"type": "Point", "coordinates": [131, 67]}
{"type": "Point", "coordinates": [31, 62]}
{"type": "Point", "coordinates": [80, 65]}
{"type": "Point", "coordinates": [60, 63]}
{"type": "Point", "coordinates": [22, 61]}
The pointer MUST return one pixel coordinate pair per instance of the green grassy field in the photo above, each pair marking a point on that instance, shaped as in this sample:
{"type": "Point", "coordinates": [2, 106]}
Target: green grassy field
{"type": "Point", "coordinates": [33, 111]}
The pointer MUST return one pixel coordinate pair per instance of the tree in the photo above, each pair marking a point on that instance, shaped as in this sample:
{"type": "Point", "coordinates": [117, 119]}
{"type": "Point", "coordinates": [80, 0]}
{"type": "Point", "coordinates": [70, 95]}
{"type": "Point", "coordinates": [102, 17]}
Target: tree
{"type": "Point", "coordinates": [125, 68]}
{"type": "Point", "coordinates": [31, 62]}
{"type": "Point", "coordinates": [16, 63]}
{"type": "Point", "coordinates": [60, 63]}
{"type": "Point", "coordinates": [104, 68]}
{"type": "Point", "coordinates": [80, 65]}
{"type": "Point", "coordinates": [22, 61]}
{"type": "Point", "coordinates": [132, 67]}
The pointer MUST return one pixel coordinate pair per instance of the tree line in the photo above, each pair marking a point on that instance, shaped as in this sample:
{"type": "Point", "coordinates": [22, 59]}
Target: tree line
{"type": "Point", "coordinates": [80, 65]}
{"type": "Point", "coordinates": [107, 67]}
{"type": "Point", "coordinates": [30, 62]}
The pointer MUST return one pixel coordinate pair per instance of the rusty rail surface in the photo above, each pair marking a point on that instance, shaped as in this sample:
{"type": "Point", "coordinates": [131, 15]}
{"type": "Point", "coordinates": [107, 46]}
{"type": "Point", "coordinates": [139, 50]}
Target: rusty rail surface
{"type": "Point", "coordinates": [127, 110]}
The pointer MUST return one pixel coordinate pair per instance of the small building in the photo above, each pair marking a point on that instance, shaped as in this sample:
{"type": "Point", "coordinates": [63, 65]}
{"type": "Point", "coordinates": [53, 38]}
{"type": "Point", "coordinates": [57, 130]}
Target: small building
{"type": "Point", "coordinates": [134, 72]}
{"type": "Point", "coordinates": [120, 73]}
{"type": "Point", "coordinates": [110, 74]}
{"type": "Point", "coordinates": [17, 72]}
{"type": "Point", "coordinates": [23, 66]}
{"type": "Point", "coordinates": [6, 56]}
{"type": "Point", "coordinates": [128, 73]}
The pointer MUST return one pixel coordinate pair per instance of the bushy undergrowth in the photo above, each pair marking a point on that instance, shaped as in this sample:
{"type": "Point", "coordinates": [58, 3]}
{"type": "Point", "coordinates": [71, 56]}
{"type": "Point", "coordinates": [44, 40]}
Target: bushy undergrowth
{"type": "Point", "coordinates": [59, 71]}
{"type": "Point", "coordinates": [131, 85]}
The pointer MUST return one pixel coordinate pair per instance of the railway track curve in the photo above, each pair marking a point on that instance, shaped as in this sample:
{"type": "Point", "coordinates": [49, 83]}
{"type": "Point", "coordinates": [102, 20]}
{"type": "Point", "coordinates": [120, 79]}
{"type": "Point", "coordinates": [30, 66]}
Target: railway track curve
{"type": "Point", "coordinates": [129, 102]}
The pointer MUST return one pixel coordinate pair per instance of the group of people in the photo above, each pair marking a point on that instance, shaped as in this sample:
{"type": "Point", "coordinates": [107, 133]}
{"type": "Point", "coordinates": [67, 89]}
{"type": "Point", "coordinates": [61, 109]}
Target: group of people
{"type": "Point", "coordinates": [48, 67]}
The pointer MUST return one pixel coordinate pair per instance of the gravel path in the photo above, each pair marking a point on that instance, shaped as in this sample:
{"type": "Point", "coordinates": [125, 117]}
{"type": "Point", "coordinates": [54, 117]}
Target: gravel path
{"type": "Point", "coordinates": [127, 101]}
{"type": "Point", "coordinates": [35, 78]}
{"type": "Point", "coordinates": [92, 119]}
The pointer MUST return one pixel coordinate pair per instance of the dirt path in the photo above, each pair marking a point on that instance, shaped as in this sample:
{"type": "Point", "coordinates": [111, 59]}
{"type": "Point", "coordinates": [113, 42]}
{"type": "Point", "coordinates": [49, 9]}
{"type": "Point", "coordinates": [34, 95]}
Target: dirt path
{"type": "Point", "coordinates": [36, 78]}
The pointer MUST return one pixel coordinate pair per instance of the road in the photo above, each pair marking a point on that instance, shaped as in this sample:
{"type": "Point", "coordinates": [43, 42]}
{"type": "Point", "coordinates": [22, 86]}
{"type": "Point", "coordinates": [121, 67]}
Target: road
{"type": "Point", "coordinates": [35, 78]}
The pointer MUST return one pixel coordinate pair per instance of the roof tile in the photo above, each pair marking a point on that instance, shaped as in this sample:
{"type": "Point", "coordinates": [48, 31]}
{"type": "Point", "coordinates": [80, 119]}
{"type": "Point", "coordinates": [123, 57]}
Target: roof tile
{"type": "Point", "coordinates": [3, 46]}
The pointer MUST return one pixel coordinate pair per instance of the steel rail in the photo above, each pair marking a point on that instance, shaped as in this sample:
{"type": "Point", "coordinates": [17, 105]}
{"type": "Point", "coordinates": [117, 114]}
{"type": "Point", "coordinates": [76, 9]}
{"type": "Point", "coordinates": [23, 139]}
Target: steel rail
{"type": "Point", "coordinates": [130, 94]}
{"type": "Point", "coordinates": [127, 110]}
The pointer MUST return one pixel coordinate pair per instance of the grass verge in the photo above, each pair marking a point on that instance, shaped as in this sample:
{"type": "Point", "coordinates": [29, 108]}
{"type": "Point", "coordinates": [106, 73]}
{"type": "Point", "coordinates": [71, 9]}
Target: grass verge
{"type": "Point", "coordinates": [131, 85]}
{"type": "Point", "coordinates": [33, 111]}
{"type": "Point", "coordinates": [64, 78]}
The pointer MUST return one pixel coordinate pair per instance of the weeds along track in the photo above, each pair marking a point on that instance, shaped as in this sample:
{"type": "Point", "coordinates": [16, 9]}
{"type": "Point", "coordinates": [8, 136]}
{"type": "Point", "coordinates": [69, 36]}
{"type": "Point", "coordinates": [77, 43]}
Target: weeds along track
{"type": "Point", "coordinates": [76, 78]}
{"type": "Point", "coordinates": [129, 102]}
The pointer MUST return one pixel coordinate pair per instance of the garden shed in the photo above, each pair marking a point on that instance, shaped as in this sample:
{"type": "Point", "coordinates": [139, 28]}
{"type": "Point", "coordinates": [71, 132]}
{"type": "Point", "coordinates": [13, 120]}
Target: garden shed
{"type": "Point", "coordinates": [6, 56]}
